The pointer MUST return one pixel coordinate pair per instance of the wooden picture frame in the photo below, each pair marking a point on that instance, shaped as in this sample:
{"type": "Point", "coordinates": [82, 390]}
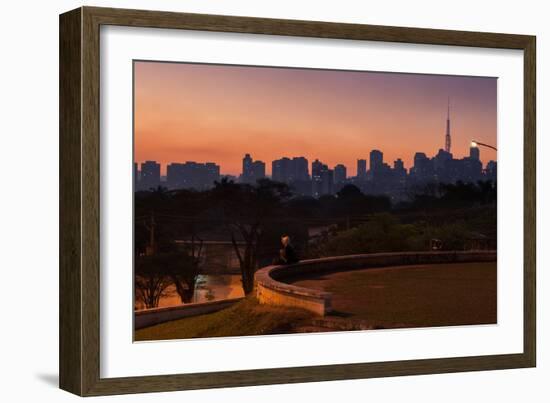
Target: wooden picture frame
{"type": "Point", "coordinates": [80, 188]}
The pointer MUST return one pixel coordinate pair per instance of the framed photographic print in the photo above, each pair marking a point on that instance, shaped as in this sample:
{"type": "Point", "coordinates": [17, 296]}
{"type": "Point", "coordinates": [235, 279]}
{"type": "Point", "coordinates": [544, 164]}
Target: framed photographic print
{"type": "Point", "coordinates": [272, 201]}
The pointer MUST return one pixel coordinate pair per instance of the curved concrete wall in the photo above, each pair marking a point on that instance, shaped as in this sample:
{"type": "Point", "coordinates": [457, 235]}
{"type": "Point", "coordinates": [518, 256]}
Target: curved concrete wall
{"type": "Point", "coordinates": [154, 316]}
{"type": "Point", "coordinates": [271, 289]}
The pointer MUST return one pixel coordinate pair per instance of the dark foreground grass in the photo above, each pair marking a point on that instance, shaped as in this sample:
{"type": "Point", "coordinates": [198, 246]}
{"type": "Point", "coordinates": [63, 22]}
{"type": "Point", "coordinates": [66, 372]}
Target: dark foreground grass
{"type": "Point", "coordinates": [245, 318]}
{"type": "Point", "coordinates": [396, 297]}
{"type": "Point", "coordinates": [414, 296]}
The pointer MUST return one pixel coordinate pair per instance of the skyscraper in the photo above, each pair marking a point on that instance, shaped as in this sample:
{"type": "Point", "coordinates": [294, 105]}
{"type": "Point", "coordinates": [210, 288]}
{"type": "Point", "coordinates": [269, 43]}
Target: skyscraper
{"type": "Point", "coordinates": [376, 160]}
{"type": "Point", "coordinates": [322, 179]}
{"type": "Point", "coordinates": [247, 168]}
{"type": "Point", "coordinates": [423, 167]}
{"type": "Point", "coordinates": [340, 174]}
{"type": "Point", "coordinates": [300, 169]}
{"type": "Point", "coordinates": [399, 168]}
{"type": "Point", "coordinates": [442, 165]}
{"type": "Point", "coordinates": [175, 176]}
{"type": "Point", "coordinates": [327, 181]}
{"type": "Point", "coordinates": [491, 170]}
{"type": "Point", "coordinates": [192, 175]}
{"type": "Point", "coordinates": [258, 170]}
{"type": "Point", "coordinates": [281, 170]}
{"type": "Point", "coordinates": [252, 170]}
{"type": "Point", "coordinates": [361, 169]}
{"type": "Point", "coordinates": [474, 153]}
{"type": "Point", "coordinates": [290, 170]}
{"type": "Point", "coordinates": [211, 173]}
{"type": "Point", "coordinates": [150, 175]}
{"type": "Point", "coordinates": [316, 169]}
{"type": "Point", "coordinates": [398, 164]}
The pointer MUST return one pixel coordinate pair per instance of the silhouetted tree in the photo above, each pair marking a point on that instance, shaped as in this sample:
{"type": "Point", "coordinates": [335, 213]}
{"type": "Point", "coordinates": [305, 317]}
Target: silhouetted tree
{"type": "Point", "coordinates": [350, 201]}
{"type": "Point", "coordinates": [453, 195]}
{"type": "Point", "coordinates": [245, 211]}
{"type": "Point", "coordinates": [150, 280]}
{"type": "Point", "coordinates": [155, 273]}
{"type": "Point", "coordinates": [185, 269]}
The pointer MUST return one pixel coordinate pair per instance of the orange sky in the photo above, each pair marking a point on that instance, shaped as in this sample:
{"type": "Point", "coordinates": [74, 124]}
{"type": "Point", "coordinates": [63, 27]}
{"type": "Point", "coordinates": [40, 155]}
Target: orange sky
{"type": "Point", "coordinates": [217, 113]}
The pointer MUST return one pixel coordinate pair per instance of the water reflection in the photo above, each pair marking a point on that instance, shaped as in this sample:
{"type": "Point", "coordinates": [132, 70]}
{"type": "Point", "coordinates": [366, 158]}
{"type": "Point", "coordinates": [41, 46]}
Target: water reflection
{"type": "Point", "coordinates": [209, 287]}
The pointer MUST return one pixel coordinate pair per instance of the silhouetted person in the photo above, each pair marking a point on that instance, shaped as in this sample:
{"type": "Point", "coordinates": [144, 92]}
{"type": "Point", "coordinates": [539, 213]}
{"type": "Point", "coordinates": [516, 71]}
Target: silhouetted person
{"type": "Point", "coordinates": [287, 254]}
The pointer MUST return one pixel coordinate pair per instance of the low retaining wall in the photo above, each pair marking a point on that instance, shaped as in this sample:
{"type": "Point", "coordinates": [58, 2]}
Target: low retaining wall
{"type": "Point", "coordinates": [271, 289]}
{"type": "Point", "coordinates": [154, 316]}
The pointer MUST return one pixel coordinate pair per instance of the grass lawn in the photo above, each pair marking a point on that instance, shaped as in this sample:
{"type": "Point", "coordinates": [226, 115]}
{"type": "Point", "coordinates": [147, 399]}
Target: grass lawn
{"type": "Point", "coordinates": [414, 296]}
{"type": "Point", "coordinates": [245, 318]}
{"type": "Point", "coordinates": [396, 297]}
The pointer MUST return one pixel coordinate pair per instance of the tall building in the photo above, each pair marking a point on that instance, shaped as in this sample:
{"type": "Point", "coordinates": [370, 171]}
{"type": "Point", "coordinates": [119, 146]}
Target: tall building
{"type": "Point", "coordinates": [247, 167]}
{"type": "Point", "coordinates": [252, 170]}
{"type": "Point", "coordinates": [473, 170]}
{"type": "Point", "coordinates": [300, 169]}
{"type": "Point", "coordinates": [175, 176]}
{"type": "Point", "coordinates": [150, 175]}
{"type": "Point", "coordinates": [316, 169]}
{"type": "Point", "coordinates": [423, 167]}
{"type": "Point", "coordinates": [290, 170]}
{"type": "Point", "coordinates": [418, 159]}
{"type": "Point", "coordinates": [340, 174]}
{"type": "Point", "coordinates": [471, 167]}
{"type": "Point", "coordinates": [399, 169]}
{"type": "Point", "coordinates": [327, 181]}
{"type": "Point", "coordinates": [442, 166]}
{"type": "Point", "coordinates": [258, 170]}
{"type": "Point", "coordinates": [192, 175]}
{"type": "Point", "coordinates": [376, 160]}
{"type": "Point", "coordinates": [491, 170]}
{"type": "Point", "coordinates": [361, 169]}
{"type": "Point", "coordinates": [474, 153]}
{"type": "Point", "coordinates": [322, 179]}
{"type": "Point", "coordinates": [211, 173]}
{"type": "Point", "coordinates": [398, 165]}
{"type": "Point", "coordinates": [281, 170]}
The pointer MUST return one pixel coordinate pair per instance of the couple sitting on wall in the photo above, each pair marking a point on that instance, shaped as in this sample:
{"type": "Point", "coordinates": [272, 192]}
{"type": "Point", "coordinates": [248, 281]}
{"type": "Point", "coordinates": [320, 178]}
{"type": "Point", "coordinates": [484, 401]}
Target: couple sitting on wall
{"type": "Point", "coordinates": [287, 254]}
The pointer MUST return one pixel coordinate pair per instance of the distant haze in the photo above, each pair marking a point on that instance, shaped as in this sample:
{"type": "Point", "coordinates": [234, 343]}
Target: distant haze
{"type": "Point", "coordinates": [217, 113]}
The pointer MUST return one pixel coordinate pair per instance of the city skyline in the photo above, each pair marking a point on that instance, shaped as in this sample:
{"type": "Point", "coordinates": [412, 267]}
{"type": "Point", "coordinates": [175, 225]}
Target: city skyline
{"type": "Point", "coordinates": [352, 170]}
{"type": "Point", "coordinates": [216, 113]}
{"type": "Point", "coordinates": [379, 178]}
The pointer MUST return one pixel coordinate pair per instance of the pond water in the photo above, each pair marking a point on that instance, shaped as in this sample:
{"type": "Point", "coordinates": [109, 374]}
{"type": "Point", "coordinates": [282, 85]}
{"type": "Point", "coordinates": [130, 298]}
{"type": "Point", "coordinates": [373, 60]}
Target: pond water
{"type": "Point", "coordinates": [210, 287]}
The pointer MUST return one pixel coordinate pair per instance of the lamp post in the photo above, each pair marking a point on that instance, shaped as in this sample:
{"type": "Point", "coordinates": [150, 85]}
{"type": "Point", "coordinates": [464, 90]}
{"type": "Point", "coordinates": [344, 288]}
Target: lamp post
{"type": "Point", "coordinates": [475, 143]}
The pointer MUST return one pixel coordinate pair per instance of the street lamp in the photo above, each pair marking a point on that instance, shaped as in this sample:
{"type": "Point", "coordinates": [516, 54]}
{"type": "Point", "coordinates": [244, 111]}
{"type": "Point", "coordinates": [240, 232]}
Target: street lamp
{"type": "Point", "coordinates": [475, 143]}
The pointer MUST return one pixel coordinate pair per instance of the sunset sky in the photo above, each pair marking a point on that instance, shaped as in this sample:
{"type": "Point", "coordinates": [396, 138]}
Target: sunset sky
{"type": "Point", "coordinates": [217, 113]}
